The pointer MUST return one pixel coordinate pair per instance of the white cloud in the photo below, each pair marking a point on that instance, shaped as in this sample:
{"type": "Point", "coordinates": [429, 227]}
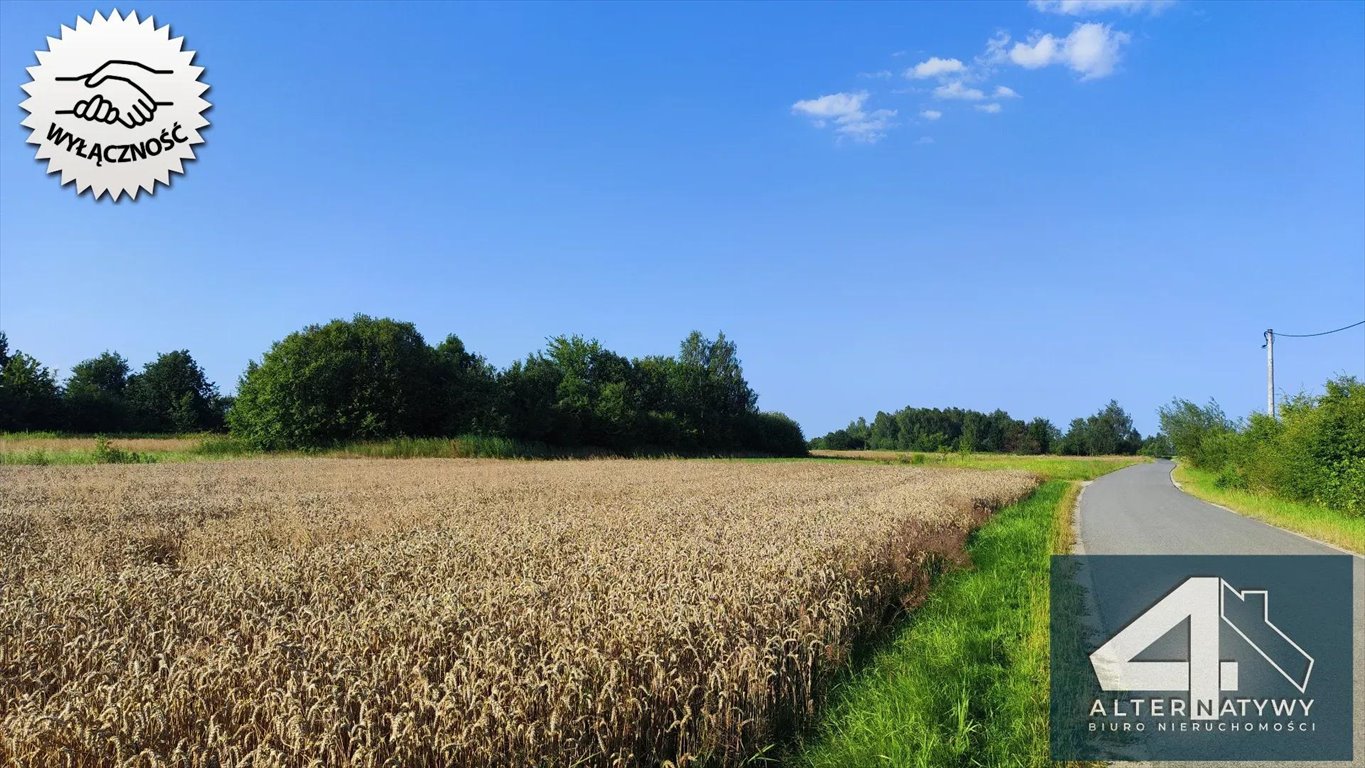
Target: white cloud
{"type": "Point", "coordinates": [832, 105]}
{"type": "Point", "coordinates": [846, 112]}
{"type": "Point", "coordinates": [1091, 50]}
{"type": "Point", "coordinates": [997, 50]}
{"type": "Point", "coordinates": [1087, 7]}
{"type": "Point", "coordinates": [1041, 52]}
{"type": "Point", "coordinates": [993, 109]}
{"type": "Point", "coordinates": [931, 114]}
{"type": "Point", "coordinates": [956, 90]}
{"type": "Point", "coordinates": [880, 74]}
{"type": "Point", "coordinates": [925, 140]}
{"type": "Point", "coordinates": [1005, 92]}
{"type": "Point", "coordinates": [934, 67]}
{"type": "Point", "coordinates": [867, 128]}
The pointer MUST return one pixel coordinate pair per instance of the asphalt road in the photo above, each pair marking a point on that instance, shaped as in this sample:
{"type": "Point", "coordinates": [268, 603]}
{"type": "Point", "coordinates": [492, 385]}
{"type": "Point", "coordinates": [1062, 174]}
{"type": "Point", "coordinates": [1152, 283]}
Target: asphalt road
{"type": "Point", "coordinates": [1139, 511]}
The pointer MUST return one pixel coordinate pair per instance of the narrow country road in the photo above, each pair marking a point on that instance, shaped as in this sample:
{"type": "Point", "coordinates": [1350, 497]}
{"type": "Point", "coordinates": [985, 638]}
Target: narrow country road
{"type": "Point", "coordinates": [1139, 511]}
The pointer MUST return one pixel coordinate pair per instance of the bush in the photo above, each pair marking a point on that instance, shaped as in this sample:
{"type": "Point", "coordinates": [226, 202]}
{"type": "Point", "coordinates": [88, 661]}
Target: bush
{"type": "Point", "coordinates": [362, 379]}
{"type": "Point", "coordinates": [220, 445]}
{"type": "Point", "coordinates": [1315, 451]}
{"type": "Point", "coordinates": [1189, 427]}
{"type": "Point", "coordinates": [107, 453]}
{"type": "Point", "coordinates": [775, 434]}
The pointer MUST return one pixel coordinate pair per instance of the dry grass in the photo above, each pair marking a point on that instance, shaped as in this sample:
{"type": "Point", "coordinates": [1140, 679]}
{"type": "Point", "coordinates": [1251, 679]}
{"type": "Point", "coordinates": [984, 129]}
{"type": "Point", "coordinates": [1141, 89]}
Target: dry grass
{"type": "Point", "coordinates": [12, 443]}
{"type": "Point", "coordinates": [466, 612]}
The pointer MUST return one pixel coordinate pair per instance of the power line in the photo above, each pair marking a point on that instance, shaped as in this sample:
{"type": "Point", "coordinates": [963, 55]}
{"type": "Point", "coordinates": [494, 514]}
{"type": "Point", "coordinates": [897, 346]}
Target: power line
{"type": "Point", "coordinates": [1269, 347]}
{"type": "Point", "coordinates": [1324, 333]}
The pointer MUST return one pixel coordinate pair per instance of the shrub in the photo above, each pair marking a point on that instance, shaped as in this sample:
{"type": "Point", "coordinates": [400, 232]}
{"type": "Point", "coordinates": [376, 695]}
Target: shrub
{"type": "Point", "coordinates": [1190, 427]}
{"type": "Point", "coordinates": [775, 434]}
{"type": "Point", "coordinates": [362, 379]}
{"type": "Point", "coordinates": [108, 453]}
{"type": "Point", "coordinates": [1315, 451]}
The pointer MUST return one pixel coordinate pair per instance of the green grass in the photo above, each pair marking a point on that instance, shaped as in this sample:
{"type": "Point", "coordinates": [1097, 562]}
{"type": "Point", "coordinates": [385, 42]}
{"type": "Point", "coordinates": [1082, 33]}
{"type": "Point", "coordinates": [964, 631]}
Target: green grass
{"type": "Point", "coordinates": [1312, 520]}
{"type": "Point", "coordinates": [111, 456]}
{"type": "Point", "coordinates": [47, 448]}
{"type": "Point", "coordinates": [463, 447]}
{"type": "Point", "coordinates": [1048, 467]}
{"type": "Point", "coordinates": [966, 682]}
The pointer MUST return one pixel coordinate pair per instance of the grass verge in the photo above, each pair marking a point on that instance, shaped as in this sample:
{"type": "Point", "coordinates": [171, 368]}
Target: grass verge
{"type": "Point", "coordinates": [1311, 520]}
{"type": "Point", "coordinates": [965, 683]}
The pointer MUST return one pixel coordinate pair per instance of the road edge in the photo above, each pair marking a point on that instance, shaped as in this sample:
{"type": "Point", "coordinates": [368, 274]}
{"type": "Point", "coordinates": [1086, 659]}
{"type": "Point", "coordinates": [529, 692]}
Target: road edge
{"type": "Point", "coordinates": [1171, 477]}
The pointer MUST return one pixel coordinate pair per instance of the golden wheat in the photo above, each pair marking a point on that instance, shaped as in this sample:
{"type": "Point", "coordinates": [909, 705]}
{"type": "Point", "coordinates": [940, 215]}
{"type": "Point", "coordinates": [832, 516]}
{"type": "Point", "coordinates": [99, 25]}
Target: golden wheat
{"type": "Point", "coordinates": [341, 612]}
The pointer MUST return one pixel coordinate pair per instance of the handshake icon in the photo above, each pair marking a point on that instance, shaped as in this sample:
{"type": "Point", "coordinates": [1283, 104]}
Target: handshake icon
{"type": "Point", "coordinates": [115, 94]}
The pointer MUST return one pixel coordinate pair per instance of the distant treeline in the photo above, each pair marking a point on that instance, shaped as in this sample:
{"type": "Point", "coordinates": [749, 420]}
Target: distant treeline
{"type": "Point", "coordinates": [1109, 431]}
{"type": "Point", "coordinates": [376, 378]}
{"type": "Point", "coordinates": [104, 395]}
{"type": "Point", "coordinates": [1314, 451]}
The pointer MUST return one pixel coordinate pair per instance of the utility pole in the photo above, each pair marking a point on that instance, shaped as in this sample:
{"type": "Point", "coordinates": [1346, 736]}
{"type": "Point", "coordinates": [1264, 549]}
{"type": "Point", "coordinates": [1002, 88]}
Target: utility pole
{"type": "Point", "coordinates": [1270, 372]}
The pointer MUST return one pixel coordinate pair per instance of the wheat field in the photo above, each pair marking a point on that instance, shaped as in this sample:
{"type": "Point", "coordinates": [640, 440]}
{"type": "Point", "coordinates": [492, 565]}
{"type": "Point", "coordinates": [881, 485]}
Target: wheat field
{"type": "Point", "coordinates": [357, 612]}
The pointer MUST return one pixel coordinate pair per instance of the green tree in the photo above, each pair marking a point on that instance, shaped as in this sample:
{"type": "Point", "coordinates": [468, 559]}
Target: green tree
{"type": "Point", "coordinates": [360, 379]}
{"type": "Point", "coordinates": [1111, 432]}
{"type": "Point", "coordinates": [712, 395]}
{"type": "Point", "coordinates": [1193, 430]}
{"type": "Point", "coordinates": [1158, 445]}
{"type": "Point", "coordinates": [932, 429]}
{"type": "Point", "coordinates": [527, 394]}
{"type": "Point", "coordinates": [1043, 435]}
{"type": "Point", "coordinates": [596, 400]}
{"type": "Point", "coordinates": [1076, 441]}
{"type": "Point", "coordinates": [467, 386]}
{"type": "Point", "coordinates": [662, 421]}
{"type": "Point", "coordinates": [775, 434]}
{"type": "Point", "coordinates": [29, 396]}
{"type": "Point", "coordinates": [96, 395]}
{"type": "Point", "coordinates": [172, 394]}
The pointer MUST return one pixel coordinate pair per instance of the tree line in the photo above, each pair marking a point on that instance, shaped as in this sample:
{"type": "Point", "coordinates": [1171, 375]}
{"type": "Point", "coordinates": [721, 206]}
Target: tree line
{"type": "Point", "coordinates": [377, 378]}
{"type": "Point", "coordinates": [103, 394]}
{"type": "Point", "coordinates": [1314, 451]}
{"type": "Point", "coordinates": [1109, 431]}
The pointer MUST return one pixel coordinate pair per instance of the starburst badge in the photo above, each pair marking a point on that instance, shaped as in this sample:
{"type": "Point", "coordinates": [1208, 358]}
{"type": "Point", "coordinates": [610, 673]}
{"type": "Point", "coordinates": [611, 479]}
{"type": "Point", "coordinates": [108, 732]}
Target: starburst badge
{"type": "Point", "coordinates": [115, 105]}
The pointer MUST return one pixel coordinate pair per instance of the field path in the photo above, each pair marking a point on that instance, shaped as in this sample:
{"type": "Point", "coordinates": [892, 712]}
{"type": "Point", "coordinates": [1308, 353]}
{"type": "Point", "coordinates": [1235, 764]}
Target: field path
{"type": "Point", "coordinates": [1139, 511]}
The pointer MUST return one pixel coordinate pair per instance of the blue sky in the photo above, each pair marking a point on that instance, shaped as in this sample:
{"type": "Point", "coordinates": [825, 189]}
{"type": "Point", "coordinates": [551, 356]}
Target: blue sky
{"type": "Point", "coordinates": [1165, 183]}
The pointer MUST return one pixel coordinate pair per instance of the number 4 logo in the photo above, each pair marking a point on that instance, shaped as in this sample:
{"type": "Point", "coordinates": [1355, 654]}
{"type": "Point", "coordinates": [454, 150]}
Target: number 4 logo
{"type": "Point", "coordinates": [1207, 602]}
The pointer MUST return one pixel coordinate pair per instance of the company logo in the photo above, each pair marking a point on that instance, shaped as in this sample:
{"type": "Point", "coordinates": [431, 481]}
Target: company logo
{"type": "Point", "coordinates": [115, 105]}
{"type": "Point", "coordinates": [1201, 657]}
{"type": "Point", "coordinates": [1205, 602]}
